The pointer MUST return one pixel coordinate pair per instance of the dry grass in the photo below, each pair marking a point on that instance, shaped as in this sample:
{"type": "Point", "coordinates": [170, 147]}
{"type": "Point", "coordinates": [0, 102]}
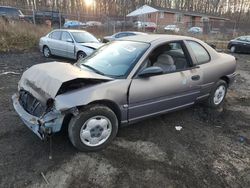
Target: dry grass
{"type": "Point", "coordinates": [20, 35]}
{"type": "Point", "coordinates": [219, 40]}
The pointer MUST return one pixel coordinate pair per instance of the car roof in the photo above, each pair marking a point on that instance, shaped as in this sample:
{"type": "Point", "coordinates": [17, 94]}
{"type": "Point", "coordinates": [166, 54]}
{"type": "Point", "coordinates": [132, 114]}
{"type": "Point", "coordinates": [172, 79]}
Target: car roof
{"type": "Point", "coordinates": [136, 32]}
{"type": "Point", "coordinates": [155, 37]}
{"type": "Point", "coordinates": [72, 21]}
{"type": "Point", "coordinates": [70, 30]}
{"type": "Point", "coordinates": [243, 36]}
{"type": "Point", "coordinates": [6, 7]}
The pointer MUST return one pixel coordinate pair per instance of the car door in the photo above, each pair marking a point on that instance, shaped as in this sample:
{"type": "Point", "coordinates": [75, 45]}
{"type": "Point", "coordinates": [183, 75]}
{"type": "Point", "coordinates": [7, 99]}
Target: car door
{"type": "Point", "coordinates": [248, 44]}
{"type": "Point", "coordinates": [242, 44]}
{"type": "Point", "coordinates": [203, 60]}
{"type": "Point", "coordinates": [163, 93]}
{"type": "Point", "coordinates": [55, 43]}
{"type": "Point", "coordinates": [68, 45]}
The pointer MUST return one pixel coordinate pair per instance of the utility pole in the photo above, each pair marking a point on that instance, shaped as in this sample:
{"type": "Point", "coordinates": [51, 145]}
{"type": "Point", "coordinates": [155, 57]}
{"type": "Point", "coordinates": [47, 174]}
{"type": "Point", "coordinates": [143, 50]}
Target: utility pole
{"type": "Point", "coordinates": [125, 10]}
{"type": "Point", "coordinates": [33, 13]}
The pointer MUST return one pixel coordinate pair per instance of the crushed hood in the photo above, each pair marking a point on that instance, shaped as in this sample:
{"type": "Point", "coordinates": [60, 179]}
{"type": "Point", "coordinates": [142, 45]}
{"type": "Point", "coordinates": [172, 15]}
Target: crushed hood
{"type": "Point", "coordinates": [92, 45]}
{"type": "Point", "coordinates": [44, 81]}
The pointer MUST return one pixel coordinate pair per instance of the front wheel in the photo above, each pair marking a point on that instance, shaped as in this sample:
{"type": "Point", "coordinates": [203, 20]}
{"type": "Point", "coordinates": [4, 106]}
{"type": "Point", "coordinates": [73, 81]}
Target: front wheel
{"type": "Point", "coordinates": [93, 129]}
{"type": "Point", "coordinates": [46, 51]}
{"type": "Point", "coordinates": [218, 94]}
{"type": "Point", "coordinates": [81, 55]}
{"type": "Point", "coordinates": [233, 49]}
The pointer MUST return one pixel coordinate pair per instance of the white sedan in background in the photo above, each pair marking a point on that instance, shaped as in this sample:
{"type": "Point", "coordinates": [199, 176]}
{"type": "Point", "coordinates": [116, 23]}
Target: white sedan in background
{"type": "Point", "coordinates": [74, 44]}
{"type": "Point", "coordinates": [172, 28]}
{"type": "Point", "coordinates": [122, 34]}
{"type": "Point", "coordinates": [195, 30]}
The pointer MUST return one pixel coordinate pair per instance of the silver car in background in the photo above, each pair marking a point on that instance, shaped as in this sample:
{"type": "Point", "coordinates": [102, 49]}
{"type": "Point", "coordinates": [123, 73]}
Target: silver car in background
{"type": "Point", "coordinates": [74, 44]}
{"type": "Point", "coordinates": [122, 34]}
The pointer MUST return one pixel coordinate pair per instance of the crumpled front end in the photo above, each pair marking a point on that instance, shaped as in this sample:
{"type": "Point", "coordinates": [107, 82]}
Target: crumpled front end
{"type": "Point", "coordinates": [37, 117]}
{"type": "Point", "coordinates": [38, 89]}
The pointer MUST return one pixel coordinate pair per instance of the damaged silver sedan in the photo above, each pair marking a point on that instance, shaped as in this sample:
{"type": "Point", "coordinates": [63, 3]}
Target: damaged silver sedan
{"type": "Point", "coordinates": [121, 83]}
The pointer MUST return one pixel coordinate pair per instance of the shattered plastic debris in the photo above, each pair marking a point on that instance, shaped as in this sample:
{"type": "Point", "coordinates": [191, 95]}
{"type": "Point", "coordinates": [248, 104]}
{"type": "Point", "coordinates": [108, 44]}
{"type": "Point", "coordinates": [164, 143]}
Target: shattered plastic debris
{"type": "Point", "coordinates": [241, 139]}
{"type": "Point", "coordinates": [5, 73]}
{"type": "Point", "coordinates": [178, 128]}
{"type": "Point", "coordinates": [45, 179]}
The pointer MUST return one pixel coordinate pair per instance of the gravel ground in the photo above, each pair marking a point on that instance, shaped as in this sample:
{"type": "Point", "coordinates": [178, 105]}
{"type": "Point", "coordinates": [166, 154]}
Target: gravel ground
{"type": "Point", "coordinates": [212, 149]}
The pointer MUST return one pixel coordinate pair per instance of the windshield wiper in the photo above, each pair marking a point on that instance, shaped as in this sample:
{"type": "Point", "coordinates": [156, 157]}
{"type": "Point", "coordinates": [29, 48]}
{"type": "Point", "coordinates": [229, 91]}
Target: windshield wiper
{"type": "Point", "coordinates": [93, 69]}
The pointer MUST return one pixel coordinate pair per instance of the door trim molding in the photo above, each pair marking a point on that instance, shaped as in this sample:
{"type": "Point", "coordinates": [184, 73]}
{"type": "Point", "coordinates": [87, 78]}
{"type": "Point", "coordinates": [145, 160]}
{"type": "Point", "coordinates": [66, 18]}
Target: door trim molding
{"type": "Point", "coordinates": [163, 100]}
{"type": "Point", "coordinates": [161, 112]}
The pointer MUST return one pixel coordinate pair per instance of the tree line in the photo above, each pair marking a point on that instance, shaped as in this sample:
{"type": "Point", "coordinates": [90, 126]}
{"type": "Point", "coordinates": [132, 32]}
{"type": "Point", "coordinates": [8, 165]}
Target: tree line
{"type": "Point", "coordinates": [238, 10]}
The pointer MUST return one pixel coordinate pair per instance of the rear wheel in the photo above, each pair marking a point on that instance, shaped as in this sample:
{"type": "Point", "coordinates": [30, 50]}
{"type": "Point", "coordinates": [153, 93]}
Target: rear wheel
{"type": "Point", "coordinates": [93, 129]}
{"type": "Point", "coordinates": [46, 51]}
{"type": "Point", "coordinates": [218, 94]}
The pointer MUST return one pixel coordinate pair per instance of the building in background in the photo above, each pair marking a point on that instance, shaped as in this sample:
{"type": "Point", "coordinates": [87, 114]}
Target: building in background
{"type": "Point", "coordinates": [184, 19]}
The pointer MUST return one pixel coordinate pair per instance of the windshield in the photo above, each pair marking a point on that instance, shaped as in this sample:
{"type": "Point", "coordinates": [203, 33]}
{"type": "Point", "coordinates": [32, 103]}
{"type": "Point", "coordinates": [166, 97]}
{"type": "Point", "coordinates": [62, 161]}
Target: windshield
{"type": "Point", "coordinates": [171, 26]}
{"type": "Point", "coordinates": [83, 37]}
{"type": "Point", "coordinates": [115, 59]}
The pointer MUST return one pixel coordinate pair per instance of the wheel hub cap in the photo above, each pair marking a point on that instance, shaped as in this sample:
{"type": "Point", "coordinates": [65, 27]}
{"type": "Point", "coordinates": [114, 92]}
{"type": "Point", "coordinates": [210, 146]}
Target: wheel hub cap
{"type": "Point", "coordinates": [219, 94]}
{"type": "Point", "coordinates": [95, 131]}
{"type": "Point", "coordinates": [46, 52]}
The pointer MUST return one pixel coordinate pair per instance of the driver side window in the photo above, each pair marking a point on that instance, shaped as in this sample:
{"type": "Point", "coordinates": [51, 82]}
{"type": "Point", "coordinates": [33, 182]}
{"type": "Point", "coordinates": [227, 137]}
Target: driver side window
{"type": "Point", "coordinates": [66, 37]}
{"type": "Point", "coordinates": [170, 57]}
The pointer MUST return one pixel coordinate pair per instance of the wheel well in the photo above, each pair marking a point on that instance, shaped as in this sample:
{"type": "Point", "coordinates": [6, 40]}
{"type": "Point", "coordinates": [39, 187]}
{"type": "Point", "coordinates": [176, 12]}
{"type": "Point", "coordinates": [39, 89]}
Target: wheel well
{"type": "Point", "coordinates": [45, 46]}
{"type": "Point", "coordinates": [113, 106]}
{"type": "Point", "coordinates": [226, 79]}
{"type": "Point", "coordinates": [80, 51]}
{"type": "Point", "coordinates": [65, 123]}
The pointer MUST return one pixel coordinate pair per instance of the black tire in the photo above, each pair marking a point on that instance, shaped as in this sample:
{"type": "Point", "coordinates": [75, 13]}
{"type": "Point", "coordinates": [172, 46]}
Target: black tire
{"type": "Point", "coordinates": [46, 52]}
{"type": "Point", "coordinates": [81, 55]}
{"type": "Point", "coordinates": [77, 123]}
{"type": "Point", "coordinates": [211, 102]}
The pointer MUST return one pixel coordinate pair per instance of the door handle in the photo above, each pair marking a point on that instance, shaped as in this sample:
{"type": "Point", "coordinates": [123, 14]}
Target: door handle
{"type": "Point", "coordinates": [195, 77]}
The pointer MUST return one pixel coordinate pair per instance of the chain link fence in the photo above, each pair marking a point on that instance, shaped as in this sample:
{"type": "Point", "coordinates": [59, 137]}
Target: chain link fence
{"type": "Point", "coordinates": [101, 25]}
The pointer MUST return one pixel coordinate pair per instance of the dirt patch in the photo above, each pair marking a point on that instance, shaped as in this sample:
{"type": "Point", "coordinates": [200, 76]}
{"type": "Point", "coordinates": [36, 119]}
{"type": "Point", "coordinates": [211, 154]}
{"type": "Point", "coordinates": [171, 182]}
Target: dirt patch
{"type": "Point", "coordinates": [211, 150]}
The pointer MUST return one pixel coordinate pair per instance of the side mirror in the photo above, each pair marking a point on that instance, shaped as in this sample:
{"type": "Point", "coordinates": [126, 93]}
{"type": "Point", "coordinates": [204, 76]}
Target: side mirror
{"type": "Point", "coordinates": [69, 40]}
{"type": "Point", "coordinates": [150, 71]}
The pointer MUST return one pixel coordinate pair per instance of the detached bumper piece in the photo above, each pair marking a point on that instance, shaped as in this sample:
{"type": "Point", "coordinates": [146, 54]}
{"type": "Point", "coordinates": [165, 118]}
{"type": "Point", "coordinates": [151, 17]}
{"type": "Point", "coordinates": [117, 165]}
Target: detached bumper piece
{"type": "Point", "coordinates": [43, 126]}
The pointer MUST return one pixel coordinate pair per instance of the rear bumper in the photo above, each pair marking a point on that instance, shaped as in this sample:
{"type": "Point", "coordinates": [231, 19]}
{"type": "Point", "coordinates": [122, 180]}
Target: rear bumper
{"type": "Point", "coordinates": [231, 78]}
{"type": "Point", "coordinates": [50, 123]}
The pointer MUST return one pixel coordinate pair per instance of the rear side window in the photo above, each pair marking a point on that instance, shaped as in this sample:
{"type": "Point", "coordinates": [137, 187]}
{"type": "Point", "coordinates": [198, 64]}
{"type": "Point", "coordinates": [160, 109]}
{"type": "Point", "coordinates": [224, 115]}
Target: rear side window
{"type": "Point", "coordinates": [56, 35]}
{"type": "Point", "coordinates": [242, 38]}
{"type": "Point", "coordinates": [200, 53]}
{"type": "Point", "coordinates": [130, 34]}
{"type": "Point", "coordinates": [14, 12]}
{"type": "Point", "coordinates": [120, 35]}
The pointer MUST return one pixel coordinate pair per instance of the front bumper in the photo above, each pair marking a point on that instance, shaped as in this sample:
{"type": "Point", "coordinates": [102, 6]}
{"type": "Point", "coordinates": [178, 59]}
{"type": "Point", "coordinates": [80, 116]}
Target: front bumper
{"type": "Point", "coordinates": [41, 47]}
{"type": "Point", "coordinates": [43, 126]}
